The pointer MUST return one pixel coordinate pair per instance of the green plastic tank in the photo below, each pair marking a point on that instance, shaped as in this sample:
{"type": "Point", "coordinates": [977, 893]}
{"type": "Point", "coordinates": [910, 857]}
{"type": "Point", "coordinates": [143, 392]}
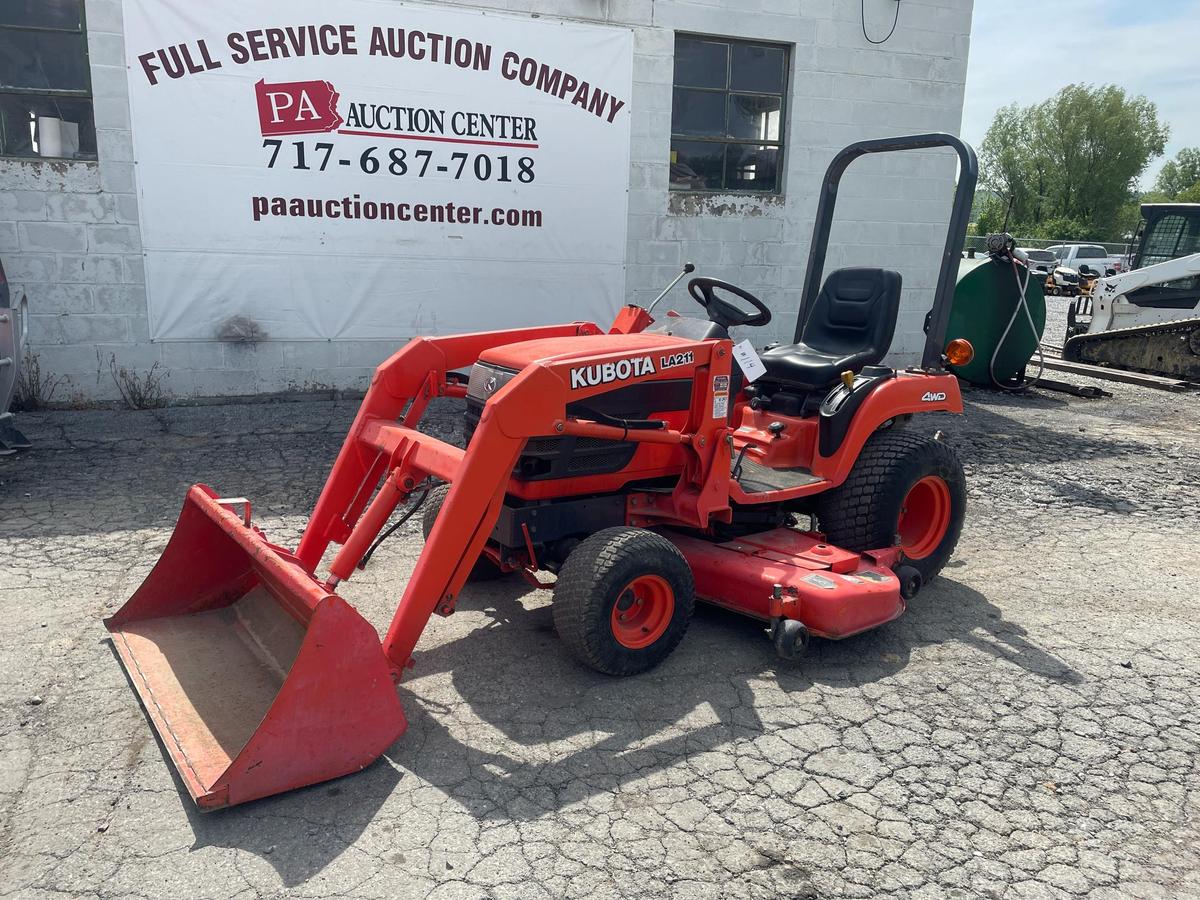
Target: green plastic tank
{"type": "Point", "coordinates": [984, 300]}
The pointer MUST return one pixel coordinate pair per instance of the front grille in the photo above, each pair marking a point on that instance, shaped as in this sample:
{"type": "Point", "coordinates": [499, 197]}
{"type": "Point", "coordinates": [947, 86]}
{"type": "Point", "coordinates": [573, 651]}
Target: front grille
{"type": "Point", "coordinates": [560, 457]}
{"type": "Point", "coordinates": [598, 460]}
{"type": "Point", "coordinates": [484, 376]}
{"type": "Point", "coordinates": [550, 456]}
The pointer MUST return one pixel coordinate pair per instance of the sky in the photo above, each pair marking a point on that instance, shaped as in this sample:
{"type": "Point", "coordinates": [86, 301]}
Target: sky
{"type": "Point", "coordinates": [1025, 50]}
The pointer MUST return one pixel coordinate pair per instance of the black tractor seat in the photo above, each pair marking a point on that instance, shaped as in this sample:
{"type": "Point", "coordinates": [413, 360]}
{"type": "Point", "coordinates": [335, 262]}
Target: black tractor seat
{"type": "Point", "coordinates": [851, 326]}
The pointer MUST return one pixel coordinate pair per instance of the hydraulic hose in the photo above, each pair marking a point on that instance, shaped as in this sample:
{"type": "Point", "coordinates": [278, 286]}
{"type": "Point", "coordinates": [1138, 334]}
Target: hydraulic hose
{"type": "Point", "coordinates": [408, 514]}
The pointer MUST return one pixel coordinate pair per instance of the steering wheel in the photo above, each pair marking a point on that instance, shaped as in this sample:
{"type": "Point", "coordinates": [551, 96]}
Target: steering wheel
{"type": "Point", "coordinates": [722, 312]}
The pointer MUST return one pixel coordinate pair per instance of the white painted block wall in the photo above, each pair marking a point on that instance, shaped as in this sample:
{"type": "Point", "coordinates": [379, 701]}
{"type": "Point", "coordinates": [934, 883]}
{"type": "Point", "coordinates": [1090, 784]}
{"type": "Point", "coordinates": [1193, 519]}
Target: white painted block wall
{"type": "Point", "coordinates": [69, 236]}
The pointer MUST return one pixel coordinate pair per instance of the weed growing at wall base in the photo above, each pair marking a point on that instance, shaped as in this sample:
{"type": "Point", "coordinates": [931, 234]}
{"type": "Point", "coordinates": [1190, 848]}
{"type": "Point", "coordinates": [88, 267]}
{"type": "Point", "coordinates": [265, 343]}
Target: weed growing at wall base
{"type": "Point", "coordinates": [35, 388]}
{"type": "Point", "coordinates": [138, 390]}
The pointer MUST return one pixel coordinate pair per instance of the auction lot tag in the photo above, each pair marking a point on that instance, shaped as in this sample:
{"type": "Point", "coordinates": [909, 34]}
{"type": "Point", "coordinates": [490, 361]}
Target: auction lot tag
{"type": "Point", "coordinates": [748, 360]}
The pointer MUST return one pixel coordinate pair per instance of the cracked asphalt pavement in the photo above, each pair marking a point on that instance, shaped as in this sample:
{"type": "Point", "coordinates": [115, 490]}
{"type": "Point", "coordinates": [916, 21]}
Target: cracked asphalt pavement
{"type": "Point", "coordinates": [1030, 727]}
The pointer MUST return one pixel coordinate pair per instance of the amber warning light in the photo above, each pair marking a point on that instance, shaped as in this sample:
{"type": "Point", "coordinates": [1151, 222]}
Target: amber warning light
{"type": "Point", "coordinates": [959, 352]}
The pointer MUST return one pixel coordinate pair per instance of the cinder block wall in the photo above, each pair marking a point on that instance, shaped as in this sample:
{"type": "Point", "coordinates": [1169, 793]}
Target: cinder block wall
{"type": "Point", "coordinates": [69, 235]}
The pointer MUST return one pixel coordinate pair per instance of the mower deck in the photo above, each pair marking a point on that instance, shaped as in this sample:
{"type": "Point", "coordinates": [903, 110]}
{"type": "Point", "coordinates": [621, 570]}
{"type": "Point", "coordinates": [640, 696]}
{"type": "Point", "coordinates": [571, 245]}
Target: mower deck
{"type": "Point", "coordinates": [790, 574]}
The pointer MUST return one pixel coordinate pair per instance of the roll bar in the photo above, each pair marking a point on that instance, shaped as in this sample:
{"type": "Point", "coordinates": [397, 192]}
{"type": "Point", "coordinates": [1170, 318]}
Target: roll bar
{"type": "Point", "coordinates": [960, 214]}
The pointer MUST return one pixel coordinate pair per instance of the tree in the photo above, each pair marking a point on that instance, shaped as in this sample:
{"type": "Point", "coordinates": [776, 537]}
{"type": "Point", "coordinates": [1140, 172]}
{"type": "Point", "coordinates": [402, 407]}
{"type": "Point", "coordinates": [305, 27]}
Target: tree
{"type": "Point", "coordinates": [1180, 175]}
{"type": "Point", "coordinates": [1069, 164]}
{"type": "Point", "coordinates": [1191, 195]}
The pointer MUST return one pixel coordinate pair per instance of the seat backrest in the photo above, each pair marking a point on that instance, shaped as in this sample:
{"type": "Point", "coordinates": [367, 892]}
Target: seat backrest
{"type": "Point", "coordinates": [855, 313]}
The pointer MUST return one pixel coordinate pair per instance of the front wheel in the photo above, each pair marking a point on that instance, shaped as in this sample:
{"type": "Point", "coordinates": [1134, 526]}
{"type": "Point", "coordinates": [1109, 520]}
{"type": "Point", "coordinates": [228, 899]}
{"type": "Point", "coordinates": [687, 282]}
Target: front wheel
{"type": "Point", "coordinates": [905, 490]}
{"type": "Point", "coordinates": [484, 569]}
{"type": "Point", "coordinates": [623, 600]}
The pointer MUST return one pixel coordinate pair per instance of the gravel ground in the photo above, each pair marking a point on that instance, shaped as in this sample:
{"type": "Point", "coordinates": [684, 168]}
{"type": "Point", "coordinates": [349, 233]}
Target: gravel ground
{"type": "Point", "coordinates": [1030, 727]}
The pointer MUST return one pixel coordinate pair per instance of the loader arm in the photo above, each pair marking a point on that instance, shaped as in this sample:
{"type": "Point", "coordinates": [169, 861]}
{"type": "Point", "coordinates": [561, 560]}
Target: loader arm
{"type": "Point", "coordinates": [385, 446]}
{"type": "Point", "coordinates": [400, 390]}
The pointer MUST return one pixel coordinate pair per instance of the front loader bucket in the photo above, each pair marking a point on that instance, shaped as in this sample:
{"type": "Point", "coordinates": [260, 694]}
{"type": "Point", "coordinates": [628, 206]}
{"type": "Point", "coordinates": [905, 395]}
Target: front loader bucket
{"type": "Point", "coordinates": [256, 677]}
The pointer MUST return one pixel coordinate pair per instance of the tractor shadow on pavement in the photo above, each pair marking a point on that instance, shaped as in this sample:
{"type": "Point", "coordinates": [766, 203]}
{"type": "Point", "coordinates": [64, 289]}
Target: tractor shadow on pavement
{"type": "Point", "coordinates": [578, 733]}
{"type": "Point", "coordinates": [303, 831]}
{"type": "Point", "coordinates": [544, 732]}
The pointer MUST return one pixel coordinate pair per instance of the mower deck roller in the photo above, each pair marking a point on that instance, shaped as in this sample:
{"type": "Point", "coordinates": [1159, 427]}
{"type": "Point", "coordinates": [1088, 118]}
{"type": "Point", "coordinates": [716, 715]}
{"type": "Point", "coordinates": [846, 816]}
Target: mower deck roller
{"type": "Point", "coordinates": [256, 679]}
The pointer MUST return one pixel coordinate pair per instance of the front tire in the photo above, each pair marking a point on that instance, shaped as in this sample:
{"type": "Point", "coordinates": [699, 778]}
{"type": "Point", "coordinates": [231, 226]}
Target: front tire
{"type": "Point", "coordinates": [484, 569]}
{"type": "Point", "coordinates": [905, 489]}
{"type": "Point", "coordinates": [623, 601]}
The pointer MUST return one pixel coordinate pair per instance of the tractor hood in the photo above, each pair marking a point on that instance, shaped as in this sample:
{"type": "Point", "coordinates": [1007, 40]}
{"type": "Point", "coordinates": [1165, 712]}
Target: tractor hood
{"type": "Point", "coordinates": [516, 357]}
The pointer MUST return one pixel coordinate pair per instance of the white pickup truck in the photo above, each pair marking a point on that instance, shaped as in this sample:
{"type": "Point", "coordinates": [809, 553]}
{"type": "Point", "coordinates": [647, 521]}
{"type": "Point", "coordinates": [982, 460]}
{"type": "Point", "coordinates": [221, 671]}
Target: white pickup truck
{"type": "Point", "coordinates": [1093, 256]}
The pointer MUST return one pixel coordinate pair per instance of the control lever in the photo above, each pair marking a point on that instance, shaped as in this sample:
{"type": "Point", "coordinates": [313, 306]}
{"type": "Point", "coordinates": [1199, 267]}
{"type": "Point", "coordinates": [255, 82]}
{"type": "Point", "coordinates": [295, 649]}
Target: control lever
{"type": "Point", "coordinates": [688, 269]}
{"type": "Point", "coordinates": [736, 472]}
{"type": "Point", "coordinates": [776, 430]}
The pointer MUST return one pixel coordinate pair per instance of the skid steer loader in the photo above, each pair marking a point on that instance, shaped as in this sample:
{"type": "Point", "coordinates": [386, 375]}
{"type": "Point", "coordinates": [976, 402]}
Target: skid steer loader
{"type": "Point", "coordinates": [639, 464]}
{"type": "Point", "coordinates": [1148, 318]}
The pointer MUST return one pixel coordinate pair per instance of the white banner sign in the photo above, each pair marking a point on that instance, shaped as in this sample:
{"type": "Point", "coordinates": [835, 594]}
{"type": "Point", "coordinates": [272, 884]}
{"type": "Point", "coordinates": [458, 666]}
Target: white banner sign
{"type": "Point", "coordinates": [375, 170]}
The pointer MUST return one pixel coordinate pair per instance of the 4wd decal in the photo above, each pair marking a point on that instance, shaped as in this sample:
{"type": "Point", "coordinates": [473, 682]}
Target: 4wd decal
{"type": "Point", "coordinates": [603, 373]}
{"type": "Point", "coordinates": [931, 397]}
{"type": "Point", "coordinates": [676, 359]}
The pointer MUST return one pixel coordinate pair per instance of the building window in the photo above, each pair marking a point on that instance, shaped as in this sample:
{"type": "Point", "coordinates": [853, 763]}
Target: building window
{"type": "Point", "coordinates": [45, 83]}
{"type": "Point", "coordinates": [727, 115]}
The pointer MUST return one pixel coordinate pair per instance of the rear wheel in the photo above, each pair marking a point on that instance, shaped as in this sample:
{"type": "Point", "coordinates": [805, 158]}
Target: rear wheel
{"type": "Point", "coordinates": [484, 569]}
{"type": "Point", "coordinates": [624, 599]}
{"type": "Point", "coordinates": [905, 490]}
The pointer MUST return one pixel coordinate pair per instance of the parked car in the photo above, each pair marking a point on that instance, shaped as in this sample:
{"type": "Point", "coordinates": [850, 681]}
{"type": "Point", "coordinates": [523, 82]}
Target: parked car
{"type": "Point", "coordinates": [1041, 262]}
{"type": "Point", "coordinates": [1093, 256]}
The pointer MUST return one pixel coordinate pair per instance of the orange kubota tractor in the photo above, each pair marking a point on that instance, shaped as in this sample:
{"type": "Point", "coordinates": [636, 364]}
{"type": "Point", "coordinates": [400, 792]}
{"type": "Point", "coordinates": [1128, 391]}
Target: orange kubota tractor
{"type": "Point", "coordinates": [639, 464]}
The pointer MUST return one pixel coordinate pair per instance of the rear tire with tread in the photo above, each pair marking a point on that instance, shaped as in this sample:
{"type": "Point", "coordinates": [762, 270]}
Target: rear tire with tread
{"type": "Point", "coordinates": [597, 575]}
{"type": "Point", "coordinates": [863, 513]}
